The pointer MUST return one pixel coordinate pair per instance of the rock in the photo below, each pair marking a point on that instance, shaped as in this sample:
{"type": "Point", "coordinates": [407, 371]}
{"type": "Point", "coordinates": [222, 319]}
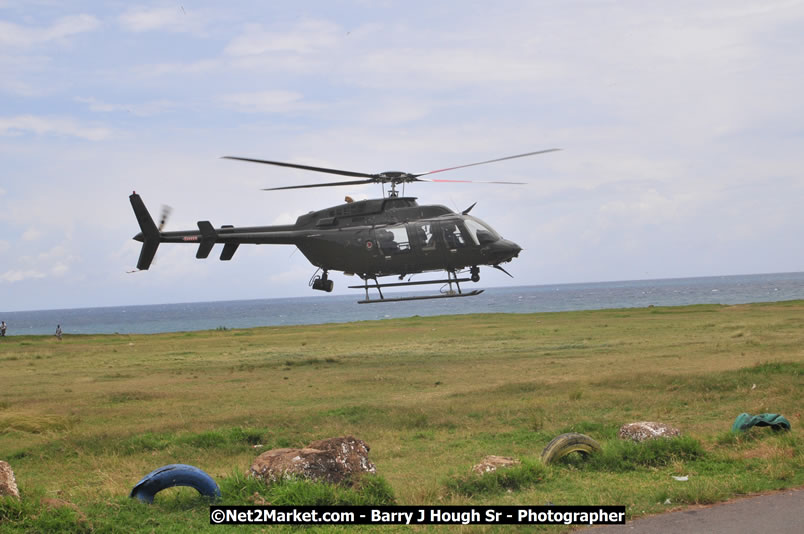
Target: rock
{"type": "Point", "coordinates": [8, 484]}
{"type": "Point", "coordinates": [333, 460]}
{"type": "Point", "coordinates": [491, 463]}
{"type": "Point", "coordinates": [647, 430]}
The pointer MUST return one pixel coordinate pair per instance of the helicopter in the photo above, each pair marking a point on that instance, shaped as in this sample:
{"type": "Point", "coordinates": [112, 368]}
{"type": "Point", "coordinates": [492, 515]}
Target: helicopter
{"type": "Point", "coordinates": [374, 238]}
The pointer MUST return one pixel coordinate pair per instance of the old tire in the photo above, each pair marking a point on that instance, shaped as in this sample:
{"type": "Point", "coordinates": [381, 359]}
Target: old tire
{"type": "Point", "coordinates": [174, 475]}
{"type": "Point", "coordinates": [567, 443]}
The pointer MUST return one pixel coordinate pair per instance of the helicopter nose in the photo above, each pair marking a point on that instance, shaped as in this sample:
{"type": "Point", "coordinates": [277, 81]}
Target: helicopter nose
{"type": "Point", "coordinates": [503, 250]}
{"type": "Point", "coordinates": [511, 248]}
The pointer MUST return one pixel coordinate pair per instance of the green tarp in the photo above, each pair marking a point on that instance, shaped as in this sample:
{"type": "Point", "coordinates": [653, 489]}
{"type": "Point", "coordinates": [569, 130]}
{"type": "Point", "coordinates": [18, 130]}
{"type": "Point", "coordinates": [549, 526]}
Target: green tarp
{"type": "Point", "coordinates": [745, 421]}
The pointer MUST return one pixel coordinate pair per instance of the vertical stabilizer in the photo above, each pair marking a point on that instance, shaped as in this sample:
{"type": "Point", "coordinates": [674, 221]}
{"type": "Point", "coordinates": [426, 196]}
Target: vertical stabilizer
{"type": "Point", "coordinates": [149, 235]}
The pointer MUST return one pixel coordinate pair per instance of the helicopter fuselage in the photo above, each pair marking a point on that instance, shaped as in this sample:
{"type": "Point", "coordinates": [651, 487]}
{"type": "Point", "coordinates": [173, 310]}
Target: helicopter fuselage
{"type": "Point", "coordinates": [371, 238]}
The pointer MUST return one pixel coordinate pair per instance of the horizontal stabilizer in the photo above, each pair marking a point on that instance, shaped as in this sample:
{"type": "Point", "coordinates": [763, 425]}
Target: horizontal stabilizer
{"type": "Point", "coordinates": [228, 251]}
{"type": "Point", "coordinates": [147, 254]}
{"type": "Point", "coordinates": [204, 249]}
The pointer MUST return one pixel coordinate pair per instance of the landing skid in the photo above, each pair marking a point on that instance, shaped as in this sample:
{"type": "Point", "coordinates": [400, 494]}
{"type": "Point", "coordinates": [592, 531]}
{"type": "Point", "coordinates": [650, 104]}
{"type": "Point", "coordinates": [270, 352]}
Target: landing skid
{"type": "Point", "coordinates": [423, 297]}
{"type": "Point", "coordinates": [452, 278]}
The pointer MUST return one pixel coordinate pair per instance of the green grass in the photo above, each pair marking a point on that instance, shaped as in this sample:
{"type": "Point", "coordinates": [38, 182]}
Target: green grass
{"type": "Point", "coordinates": [83, 420]}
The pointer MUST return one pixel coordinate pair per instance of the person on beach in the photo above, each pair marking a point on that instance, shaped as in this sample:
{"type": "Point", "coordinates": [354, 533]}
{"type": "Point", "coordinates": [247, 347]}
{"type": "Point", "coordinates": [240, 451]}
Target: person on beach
{"type": "Point", "coordinates": [3, 329]}
{"type": "Point", "coordinates": [58, 331]}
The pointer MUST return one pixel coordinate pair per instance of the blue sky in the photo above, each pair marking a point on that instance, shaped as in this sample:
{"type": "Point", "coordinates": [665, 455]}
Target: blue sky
{"type": "Point", "coordinates": [680, 124]}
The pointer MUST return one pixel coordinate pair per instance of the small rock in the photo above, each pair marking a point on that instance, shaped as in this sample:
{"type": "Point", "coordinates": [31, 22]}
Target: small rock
{"type": "Point", "coordinates": [8, 484]}
{"type": "Point", "coordinates": [491, 463]}
{"type": "Point", "coordinates": [647, 430]}
{"type": "Point", "coordinates": [681, 479]}
{"type": "Point", "coordinates": [259, 500]}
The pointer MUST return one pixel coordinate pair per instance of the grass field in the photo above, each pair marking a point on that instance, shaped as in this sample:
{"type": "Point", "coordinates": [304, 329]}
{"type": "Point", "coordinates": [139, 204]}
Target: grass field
{"type": "Point", "coordinates": [83, 419]}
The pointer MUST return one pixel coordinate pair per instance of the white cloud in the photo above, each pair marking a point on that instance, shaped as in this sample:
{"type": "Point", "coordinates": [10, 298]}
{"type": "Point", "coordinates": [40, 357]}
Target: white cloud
{"type": "Point", "coordinates": [307, 37]}
{"type": "Point", "coordinates": [264, 101]}
{"type": "Point", "coordinates": [54, 262]}
{"type": "Point", "coordinates": [419, 67]}
{"type": "Point", "coordinates": [31, 234]}
{"type": "Point", "coordinates": [18, 275]}
{"type": "Point", "coordinates": [52, 126]}
{"type": "Point", "coordinates": [25, 36]}
{"type": "Point", "coordinates": [200, 68]}
{"type": "Point", "coordinates": [172, 19]}
{"type": "Point", "coordinates": [143, 109]}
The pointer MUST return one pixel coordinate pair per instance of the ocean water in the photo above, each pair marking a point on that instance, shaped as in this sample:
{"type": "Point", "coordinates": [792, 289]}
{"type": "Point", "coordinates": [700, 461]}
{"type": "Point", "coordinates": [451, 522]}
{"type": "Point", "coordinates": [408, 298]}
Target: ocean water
{"type": "Point", "coordinates": [344, 308]}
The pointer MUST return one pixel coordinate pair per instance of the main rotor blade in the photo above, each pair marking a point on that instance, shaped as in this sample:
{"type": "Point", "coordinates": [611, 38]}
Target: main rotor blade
{"type": "Point", "coordinates": [489, 161]}
{"type": "Point", "coordinates": [353, 182]}
{"type": "Point", "coordinates": [469, 181]}
{"type": "Point", "coordinates": [303, 167]}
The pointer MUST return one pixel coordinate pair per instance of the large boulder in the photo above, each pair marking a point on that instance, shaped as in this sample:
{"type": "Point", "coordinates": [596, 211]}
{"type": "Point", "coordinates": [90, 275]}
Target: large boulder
{"type": "Point", "coordinates": [333, 460]}
{"type": "Point", "coordinates": [645, 430]}
{"type": "Point", "coordinates": [8, 484]}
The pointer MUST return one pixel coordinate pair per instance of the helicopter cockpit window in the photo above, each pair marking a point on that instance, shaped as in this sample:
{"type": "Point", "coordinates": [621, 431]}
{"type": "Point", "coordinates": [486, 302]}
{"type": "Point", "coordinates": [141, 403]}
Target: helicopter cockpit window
{"type": "Point", "coordinates": [453, 236]}
{"type": "Point", "coordinates": [481, 233]}
{"type": "Point", "coordinates": [393, 240]}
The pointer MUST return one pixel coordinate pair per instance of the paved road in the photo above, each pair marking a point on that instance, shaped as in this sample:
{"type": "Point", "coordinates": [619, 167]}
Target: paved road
{"type": "Point", "coordinates": [776, 513]}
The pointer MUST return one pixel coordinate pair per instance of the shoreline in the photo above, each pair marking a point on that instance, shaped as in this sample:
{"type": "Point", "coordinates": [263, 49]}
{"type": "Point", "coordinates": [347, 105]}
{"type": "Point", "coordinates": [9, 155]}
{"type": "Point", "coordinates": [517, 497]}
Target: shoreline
{"type": "Point", "coordinates": [469, 315]}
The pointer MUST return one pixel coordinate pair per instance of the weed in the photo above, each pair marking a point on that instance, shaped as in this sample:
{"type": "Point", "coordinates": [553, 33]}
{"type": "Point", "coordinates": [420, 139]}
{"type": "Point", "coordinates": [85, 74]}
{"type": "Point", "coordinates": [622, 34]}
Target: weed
{"type": "Point", "coordinates": [626, 455]}
{"type": "Point", "coordinates": [367, 490]}
{"type": "Point", "coordinates": [310, 361]}
{"type": "Point", "coordinates": [35, 513]}
{"type": "Point", "coordinates": [537, 419]}
{"type": "Point", "coordinates": [227, 438]}
{"type": "Point", "coordinates": [130, 396]}
{"type": "Point", "coordinates": [514, 478]}
{"type": "Point", "coordinates": [594, 429]}
{"type": "Point", "coordinates": [32, 423]}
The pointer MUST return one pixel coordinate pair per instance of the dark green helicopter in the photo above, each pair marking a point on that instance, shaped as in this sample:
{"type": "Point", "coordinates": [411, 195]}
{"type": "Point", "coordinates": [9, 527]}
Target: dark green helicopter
{"type": "Point", "coordinates": [389, 236]}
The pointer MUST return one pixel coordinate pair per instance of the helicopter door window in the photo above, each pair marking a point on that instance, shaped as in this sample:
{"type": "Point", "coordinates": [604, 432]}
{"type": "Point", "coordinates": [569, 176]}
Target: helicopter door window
{"type": "Point", "coordinates": [393, 240]}
{"type": "Point", "coordinates": [425, 233]}
{"type": "Point", "coordinates": [453, 236]}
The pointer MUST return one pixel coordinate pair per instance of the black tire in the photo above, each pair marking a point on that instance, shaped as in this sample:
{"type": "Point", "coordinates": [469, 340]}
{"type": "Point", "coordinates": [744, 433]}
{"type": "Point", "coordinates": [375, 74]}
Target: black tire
{"type": "Point", "coordinates": [568, 443]}
{"type": "Point", "coordinates": [174, 475]}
